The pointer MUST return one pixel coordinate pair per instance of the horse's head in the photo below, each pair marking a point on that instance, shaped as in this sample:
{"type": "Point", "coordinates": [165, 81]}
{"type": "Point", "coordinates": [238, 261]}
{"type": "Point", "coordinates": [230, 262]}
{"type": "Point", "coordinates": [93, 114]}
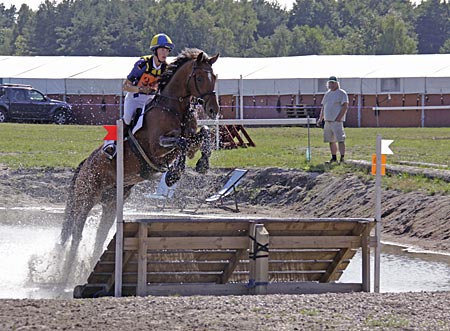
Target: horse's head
{"type": "Point", "coordinates": [202, 81]}
{"type": "Point", "coordinates": [191, 74]}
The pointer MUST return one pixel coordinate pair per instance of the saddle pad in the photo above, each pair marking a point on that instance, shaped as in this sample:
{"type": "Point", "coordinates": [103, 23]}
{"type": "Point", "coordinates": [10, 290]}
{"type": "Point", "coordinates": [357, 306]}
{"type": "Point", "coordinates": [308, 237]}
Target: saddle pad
{"type": "Point", "coordinates": [139, 123]}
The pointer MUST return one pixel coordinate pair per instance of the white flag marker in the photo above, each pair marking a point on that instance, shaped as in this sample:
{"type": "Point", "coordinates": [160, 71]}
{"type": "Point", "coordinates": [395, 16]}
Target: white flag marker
{"type": "Point", "coordinates": [385, 146]}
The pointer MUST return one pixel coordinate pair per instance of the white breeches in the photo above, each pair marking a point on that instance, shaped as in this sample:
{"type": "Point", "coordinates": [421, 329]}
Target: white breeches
{"type": "Point", "coordinates": [132, 102]}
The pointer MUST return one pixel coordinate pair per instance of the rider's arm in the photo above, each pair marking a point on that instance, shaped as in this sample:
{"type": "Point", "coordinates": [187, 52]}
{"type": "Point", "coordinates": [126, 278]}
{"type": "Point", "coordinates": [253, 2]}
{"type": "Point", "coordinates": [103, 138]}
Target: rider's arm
{"type": "Point", "coordinates": [129, 87]}
{"type": "Point", "coordinates": [130, 84]}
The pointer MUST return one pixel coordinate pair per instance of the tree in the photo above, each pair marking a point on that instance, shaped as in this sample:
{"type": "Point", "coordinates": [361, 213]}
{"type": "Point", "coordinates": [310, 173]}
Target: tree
{"type": "Point", "coordinates": [22, 31]}
{"type": "Point", "coordinates": [314, 13]}
{"type": "Point", "coordinates": [307, 40]}
{"type": "Point", "coordinates": [270, 16]}
{"type": "Point", "coordinates": [432, 25]}
{"type": "Point", "coordinates": [393, 37]}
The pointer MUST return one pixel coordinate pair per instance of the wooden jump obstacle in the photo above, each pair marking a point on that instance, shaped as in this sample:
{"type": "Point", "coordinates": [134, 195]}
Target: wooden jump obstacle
{"type": "Point", "coordinates": [234, 136]}
{"type": "Point", "coordinates": [299, 111]}
{"type": "Point", "coordinates": [234, 256]}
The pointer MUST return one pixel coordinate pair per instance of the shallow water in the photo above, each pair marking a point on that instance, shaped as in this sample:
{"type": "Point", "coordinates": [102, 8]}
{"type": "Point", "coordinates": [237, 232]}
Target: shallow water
{"type": "Point", "coordinates": [403, 271]}
{"type": "Point", "coordinates": [27, 235]}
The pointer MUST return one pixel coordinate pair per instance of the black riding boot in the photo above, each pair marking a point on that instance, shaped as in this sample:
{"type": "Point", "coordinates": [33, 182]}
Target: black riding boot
{"type": "Point", "coordinates": [126, 127]}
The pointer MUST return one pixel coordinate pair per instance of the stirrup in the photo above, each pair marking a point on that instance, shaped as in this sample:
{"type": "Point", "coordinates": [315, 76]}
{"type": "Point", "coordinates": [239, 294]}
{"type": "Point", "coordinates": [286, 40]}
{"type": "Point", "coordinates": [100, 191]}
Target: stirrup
{"type": "Point", "coordinates": [110, 151]}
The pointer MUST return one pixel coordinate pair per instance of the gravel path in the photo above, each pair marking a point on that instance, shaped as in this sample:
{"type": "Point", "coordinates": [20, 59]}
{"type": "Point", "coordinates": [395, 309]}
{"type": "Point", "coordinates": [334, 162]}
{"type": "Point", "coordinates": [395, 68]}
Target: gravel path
{"type": "Point", "coordinates": [357, 311]}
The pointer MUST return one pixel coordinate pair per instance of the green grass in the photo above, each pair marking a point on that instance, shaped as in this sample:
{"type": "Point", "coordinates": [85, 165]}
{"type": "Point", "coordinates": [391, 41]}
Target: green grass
{"type": "Point", "coordinates": [286, 147]}
{"type": "Point", "coordinates": [53, 146]}
{"type": "Point", "coordinates": [41, 145]}
{"type": "Point", "coordinates": [47, 145]}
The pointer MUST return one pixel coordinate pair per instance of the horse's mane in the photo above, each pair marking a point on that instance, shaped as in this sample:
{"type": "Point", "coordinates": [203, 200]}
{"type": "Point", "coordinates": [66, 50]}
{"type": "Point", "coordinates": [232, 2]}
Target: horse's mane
{"type": "Point", "coordinates": [186, 55]}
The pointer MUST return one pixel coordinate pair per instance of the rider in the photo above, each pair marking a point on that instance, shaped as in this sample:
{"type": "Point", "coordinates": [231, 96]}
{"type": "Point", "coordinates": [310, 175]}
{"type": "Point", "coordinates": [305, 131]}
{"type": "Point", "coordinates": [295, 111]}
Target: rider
{"type": "Point", "coordinates": [142, 83]}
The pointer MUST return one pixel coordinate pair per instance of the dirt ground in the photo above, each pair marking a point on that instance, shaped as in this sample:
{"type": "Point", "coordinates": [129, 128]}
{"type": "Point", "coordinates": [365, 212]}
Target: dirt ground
{"type": "Point", "coordinates": [414, 219]}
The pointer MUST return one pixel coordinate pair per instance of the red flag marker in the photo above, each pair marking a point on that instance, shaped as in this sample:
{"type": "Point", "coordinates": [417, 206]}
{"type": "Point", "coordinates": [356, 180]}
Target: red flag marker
{"type": "Point", "coordinates": [112, 132]}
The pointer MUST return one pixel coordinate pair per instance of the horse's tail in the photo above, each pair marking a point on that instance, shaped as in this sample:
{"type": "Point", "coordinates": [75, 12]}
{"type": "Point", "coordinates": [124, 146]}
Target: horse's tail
{"type": "Point", "coordinates": [68, 222]}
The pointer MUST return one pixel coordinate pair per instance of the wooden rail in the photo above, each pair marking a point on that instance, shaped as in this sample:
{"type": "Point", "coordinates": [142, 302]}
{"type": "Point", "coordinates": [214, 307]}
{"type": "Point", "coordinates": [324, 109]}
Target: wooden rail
{"type": "Point", "coordinates": [223, 256]}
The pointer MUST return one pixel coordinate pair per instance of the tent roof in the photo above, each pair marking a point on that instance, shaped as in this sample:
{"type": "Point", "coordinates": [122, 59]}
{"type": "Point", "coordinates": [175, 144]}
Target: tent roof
{"type": "Point", "coordinates": [229, 70]}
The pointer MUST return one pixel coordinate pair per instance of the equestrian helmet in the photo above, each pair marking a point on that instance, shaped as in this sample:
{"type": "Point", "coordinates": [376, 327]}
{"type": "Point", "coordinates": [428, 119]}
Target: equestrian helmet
{"type": "Point", "coordinates": [161, 40]}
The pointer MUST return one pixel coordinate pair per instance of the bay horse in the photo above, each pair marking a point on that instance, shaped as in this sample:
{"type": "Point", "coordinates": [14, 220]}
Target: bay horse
{"type": "Point", "coordinates": [168, 135]}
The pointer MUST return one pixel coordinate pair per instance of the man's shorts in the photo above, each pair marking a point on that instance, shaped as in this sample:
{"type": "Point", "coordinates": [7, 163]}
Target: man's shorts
{"type": "Point", "coordinates": [333, 132]}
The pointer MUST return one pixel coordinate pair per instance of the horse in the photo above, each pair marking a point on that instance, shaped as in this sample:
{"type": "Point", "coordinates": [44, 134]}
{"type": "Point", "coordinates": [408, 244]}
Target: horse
{"type": "Point", "coordinates": [168, 135]}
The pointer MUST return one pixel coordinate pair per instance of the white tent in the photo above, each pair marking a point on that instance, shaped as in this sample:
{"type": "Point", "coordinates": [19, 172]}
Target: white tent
{"type": "Point", "coordinates": [359, 74]}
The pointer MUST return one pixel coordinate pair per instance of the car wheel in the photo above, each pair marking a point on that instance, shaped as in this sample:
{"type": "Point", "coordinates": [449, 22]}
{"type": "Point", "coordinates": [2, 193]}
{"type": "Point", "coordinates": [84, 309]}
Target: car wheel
{"type": "Point", "coordinates": [60, 117]}
{"type": "Point", "coordinates": [3, 116]}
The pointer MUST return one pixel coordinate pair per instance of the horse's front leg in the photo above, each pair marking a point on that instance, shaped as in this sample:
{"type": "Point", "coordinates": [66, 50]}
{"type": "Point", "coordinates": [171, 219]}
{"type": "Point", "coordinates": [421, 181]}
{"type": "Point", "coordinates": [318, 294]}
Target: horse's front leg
{"type": "Point", "coordinates": [204, 137]}
{"type": "Point", "coordinates": [177, 168]}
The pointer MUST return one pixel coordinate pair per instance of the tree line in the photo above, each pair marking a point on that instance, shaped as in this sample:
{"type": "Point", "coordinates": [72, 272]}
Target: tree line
{"type": "Point", "coordinates": [256, 28]}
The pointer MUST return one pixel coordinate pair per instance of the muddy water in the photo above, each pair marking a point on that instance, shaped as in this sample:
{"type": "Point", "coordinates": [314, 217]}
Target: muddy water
{"type": "Point", "coordinates": [28, 238]}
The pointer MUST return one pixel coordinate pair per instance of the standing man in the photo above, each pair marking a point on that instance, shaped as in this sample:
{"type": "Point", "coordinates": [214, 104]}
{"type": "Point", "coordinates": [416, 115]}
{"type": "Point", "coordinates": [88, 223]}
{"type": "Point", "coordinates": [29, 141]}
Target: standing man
{"type": "Point", "coordinates": [333, 111]}
{"type": "Point", "coordinates": [141, 84]}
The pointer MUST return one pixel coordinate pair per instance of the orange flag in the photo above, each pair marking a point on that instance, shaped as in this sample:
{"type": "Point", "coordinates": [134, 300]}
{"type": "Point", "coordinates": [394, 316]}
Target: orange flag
{"type": "Point", "coordinates": [112, 132]}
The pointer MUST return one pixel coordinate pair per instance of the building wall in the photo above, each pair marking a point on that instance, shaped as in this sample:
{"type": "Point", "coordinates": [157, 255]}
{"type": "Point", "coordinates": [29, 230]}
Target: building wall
{"type": "Point", "coordinates": [100, 110]}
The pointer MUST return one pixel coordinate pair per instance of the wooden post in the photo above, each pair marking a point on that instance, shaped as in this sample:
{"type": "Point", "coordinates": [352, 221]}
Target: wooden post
{"type": "Point", "coordinates": [119, 211]}
{"type": "Point", "coordinates": [365, 252]}
{"type": "Point", "coordinates": [141, 289]}
{"type": "Point", "coordinates": [259, 259]}
{"type": "Point", "coordinates": [377, 259]}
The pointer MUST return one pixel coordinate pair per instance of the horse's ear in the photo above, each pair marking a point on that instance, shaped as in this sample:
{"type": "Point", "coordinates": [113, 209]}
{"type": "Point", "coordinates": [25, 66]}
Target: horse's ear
{"type": "Point", "coordinates": [213, 59]}
{"type": "Point", "coordinates": [200, 57]}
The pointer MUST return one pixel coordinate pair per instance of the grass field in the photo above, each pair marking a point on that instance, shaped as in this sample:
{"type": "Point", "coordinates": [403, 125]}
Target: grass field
{"type": "Point", "coordinates": [53, 146]}
{"type": "Point", "coordinates": [42, 145]}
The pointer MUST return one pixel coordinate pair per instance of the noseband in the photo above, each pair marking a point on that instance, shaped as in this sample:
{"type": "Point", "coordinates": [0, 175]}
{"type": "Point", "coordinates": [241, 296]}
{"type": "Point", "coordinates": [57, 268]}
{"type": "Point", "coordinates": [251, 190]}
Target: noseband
{"type": "Point", "coordinates": [201, 96]}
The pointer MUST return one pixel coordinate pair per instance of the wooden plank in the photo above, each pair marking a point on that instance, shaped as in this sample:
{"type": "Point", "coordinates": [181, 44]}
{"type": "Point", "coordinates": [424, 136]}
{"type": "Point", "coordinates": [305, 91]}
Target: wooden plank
{"type": "Point", "coordinates": [334, 266]}
{"type": "Point", "coordinates": [273, 228]}
{"type": "Point", "coordinates": [315, 242]}
{"type": "Point", "coordinates": [190, 226]}
{"type": "Point", "coordinates": [198, 219]}
{"type": "Point", "coordinates": [235, 133]}
{"type": "Point", "coordinates": [189, 243]}
{"type": "Point", "coordinates": [199, 255]}
{"type": "Point", "coordinates": [142, 260]}
{"type": "Point", "coordinates": [231, 265]}
{"type": "Point", "coordinates": [162, 278]}
{"type": "Point", "coordinates": [167, 266]}
{"type": "Point", "coordinates": [241, 288]}
{"type": "Point", "coordinates": [109, 283]}
{"type": "Point", "coordinates": [197, 289]}
{"type": "Point", "coordinates": [239, 242]}
{"type": "Point", "coordinates": [250, 142]}
{"type": "Point", "coordinates": [304, 255]}
{"type": "Point", "coordinates": [182, 255]}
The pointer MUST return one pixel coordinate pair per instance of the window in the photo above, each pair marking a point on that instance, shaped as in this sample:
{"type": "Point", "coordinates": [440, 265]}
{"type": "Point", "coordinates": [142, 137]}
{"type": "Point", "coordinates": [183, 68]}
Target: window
{"type": "Point", "coordinates": [390, 84]}
{"type": "Point", "coordinates": [36, 96]}
{"type": "Point", "coordinates": [322, 85]}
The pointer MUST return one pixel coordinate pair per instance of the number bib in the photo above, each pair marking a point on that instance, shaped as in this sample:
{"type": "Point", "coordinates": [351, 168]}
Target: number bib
{"type": "Point", "coordinates": [147, 80]}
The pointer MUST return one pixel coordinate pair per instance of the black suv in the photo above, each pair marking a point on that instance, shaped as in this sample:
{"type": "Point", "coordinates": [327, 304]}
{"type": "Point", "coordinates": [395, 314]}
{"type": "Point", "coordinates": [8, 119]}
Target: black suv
{"type": "Point", "coordinates": [23, 103]}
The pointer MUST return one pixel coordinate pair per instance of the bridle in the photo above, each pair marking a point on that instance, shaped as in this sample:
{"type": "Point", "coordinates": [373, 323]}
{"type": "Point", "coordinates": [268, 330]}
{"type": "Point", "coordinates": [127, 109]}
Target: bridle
{"type": "Point", "coordinates": [193, 74]}
{"type": "Point", "coordinates": [197, 99]}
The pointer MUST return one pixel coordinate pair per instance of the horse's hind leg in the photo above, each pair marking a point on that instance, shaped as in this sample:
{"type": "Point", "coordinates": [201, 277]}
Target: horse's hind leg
{"type": "Point", "coordinates": [204, 136]}
{"type": "Point", "coordinates": [107, 220]}
{"type": "Point", "coordinates": [70, 211]}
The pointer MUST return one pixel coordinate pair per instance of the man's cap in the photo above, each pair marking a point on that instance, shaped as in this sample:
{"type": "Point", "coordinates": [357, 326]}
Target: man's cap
{"type": "Point", "coordinates": [332, 79]}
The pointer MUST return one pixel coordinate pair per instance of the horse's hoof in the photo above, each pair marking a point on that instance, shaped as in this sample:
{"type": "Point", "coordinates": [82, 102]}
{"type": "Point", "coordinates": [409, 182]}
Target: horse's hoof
{"type": "Point", "coordinates": [202, 166]}
{"type": "Point", "coordinates": [172, 178]}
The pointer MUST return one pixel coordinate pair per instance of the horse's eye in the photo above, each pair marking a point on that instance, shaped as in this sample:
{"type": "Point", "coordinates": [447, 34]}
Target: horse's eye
{"type": "Point", "coordinates": [199, 79]}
